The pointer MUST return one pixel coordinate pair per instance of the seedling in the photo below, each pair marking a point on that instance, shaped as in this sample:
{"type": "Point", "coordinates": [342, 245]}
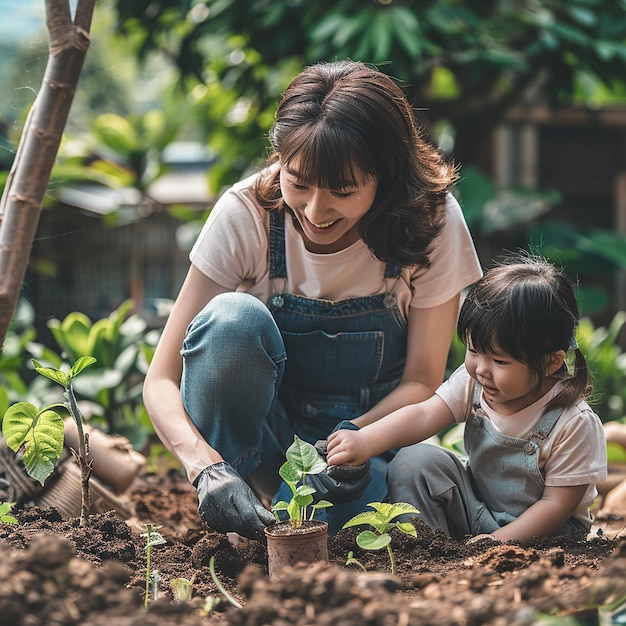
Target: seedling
{"type": "Point", "coordinates": [182, 588]}
{"type": "Point", "coordinates": [153, 538]}
{"type": "Point", "coordinates": [219, 585]}
{"type": "Point", "coordinates": [39, 432]}
{"type": "Point", "coordinates": [381, 520]}
{"type": "Point", "coordinates": [302, 460]}
{"type": "Point", "coordinates": [351, 560]}
{"type": "Point", "coordinates": [5, 510]}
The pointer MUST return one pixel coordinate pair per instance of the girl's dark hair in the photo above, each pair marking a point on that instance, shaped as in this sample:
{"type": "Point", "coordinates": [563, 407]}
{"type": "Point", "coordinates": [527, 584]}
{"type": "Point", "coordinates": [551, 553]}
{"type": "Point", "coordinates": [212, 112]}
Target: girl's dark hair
{"type": "Point", "coordinates": [344, 122]}
{"type": "Point", "coordinates": [527, 308]}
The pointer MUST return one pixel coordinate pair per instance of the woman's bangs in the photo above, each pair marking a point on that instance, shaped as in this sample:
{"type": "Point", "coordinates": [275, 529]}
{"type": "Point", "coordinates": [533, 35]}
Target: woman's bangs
{"type": "Point", "coordinates": [323, 157]}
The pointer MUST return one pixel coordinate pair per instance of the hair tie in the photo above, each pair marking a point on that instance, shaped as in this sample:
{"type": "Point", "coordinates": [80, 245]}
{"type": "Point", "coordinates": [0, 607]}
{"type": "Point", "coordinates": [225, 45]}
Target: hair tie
{"type": "Point", "coordinates": [573, 344]}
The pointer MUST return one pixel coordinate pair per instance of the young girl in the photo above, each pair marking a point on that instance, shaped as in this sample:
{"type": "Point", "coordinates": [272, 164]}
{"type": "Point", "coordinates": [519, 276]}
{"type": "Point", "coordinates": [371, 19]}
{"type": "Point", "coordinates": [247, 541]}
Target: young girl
{"type": "Point", "coordinates": [535, 448]}
{"type": "Point", "coordinates": [323, 288]}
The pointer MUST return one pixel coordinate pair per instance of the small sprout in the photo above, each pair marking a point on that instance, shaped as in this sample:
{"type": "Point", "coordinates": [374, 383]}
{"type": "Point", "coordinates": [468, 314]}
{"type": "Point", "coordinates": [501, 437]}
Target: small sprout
{"type": "Point", "coordinates": [155, 581]}
{"type": "Point", "coordinates": [5, 513]}
{"type": "Point", "coordinates": [353, 561]}
{"type": "Point", "coordinates": [219, 585]}
{"type": "Point", "coordinates": [153, 538]}
{"type": "Point", "coordinates": [302, 459]}
{"type": "Point", "coordinates": [381, 520]}
{"type": "Point", "coordinates": [210, 602]}
{"type": "Point", "coordinates": [182, 588]}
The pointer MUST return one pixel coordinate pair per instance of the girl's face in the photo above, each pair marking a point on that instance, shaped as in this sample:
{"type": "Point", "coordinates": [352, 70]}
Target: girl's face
{"type": "Point", "coordinates": [508, 385]}
{"type": "Point", "coordinates": [327, 219]}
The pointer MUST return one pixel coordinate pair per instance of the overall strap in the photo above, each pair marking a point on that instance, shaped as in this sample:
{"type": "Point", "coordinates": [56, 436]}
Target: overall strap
{"type": "Point", "coordinates": [392, 270]}
{"type": "Point", "coordinates": [476, 395]}
{"type": "Point", "coordinates": [546, 423]}
{"type": "Point", "coordinates": [542, 428]}
{"type": "Point", "coordinates": [278, 259]}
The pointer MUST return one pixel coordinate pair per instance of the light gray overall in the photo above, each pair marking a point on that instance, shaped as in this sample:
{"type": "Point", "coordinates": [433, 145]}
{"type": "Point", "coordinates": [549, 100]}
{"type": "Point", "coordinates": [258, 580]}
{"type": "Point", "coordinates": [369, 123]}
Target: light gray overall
{"type": "Point", "coordinates": [498, 482]}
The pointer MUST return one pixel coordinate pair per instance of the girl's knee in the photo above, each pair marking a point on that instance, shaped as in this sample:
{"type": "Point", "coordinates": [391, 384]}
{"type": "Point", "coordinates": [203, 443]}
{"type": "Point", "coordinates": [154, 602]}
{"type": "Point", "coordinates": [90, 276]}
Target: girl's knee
{"type": "Point", "coordinates": [408, 460]}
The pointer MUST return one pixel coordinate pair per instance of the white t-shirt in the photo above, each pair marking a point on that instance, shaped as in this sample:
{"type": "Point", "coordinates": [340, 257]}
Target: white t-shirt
{"type": "Point", "coordinates": [232, 250]}
{"type": "Point", "coordinates": [573, 454]}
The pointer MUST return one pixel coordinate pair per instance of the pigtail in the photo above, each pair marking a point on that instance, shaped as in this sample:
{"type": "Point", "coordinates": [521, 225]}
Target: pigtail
{"type": "Point", "coordinates": [576, 386]}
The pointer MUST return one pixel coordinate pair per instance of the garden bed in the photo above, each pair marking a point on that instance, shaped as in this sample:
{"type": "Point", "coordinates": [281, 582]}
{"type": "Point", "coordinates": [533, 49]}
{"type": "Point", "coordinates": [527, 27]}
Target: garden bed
{"type": "Point", "coordinates": [57, 573]}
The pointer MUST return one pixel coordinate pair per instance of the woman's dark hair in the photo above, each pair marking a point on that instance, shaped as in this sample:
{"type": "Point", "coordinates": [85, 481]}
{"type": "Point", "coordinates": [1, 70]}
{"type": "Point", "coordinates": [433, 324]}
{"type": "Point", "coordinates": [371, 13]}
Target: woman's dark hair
{"type": "Point", "coordinates": [527, 308]}
{"type": "Point", "coordinates": [344, 122]}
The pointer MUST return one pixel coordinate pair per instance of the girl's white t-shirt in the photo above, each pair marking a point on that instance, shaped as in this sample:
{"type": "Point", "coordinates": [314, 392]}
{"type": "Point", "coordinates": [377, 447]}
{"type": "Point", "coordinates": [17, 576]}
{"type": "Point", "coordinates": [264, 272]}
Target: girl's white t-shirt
{"type": "Point", "coordinates": [233, 250]}
{"type": "Point", "coordinates": [573, 454]}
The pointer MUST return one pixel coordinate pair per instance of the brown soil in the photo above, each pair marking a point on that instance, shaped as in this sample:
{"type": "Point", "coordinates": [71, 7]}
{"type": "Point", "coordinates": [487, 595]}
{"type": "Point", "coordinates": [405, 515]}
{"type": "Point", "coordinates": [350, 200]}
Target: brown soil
{"type": "Point", "coordinates": [55, 573]}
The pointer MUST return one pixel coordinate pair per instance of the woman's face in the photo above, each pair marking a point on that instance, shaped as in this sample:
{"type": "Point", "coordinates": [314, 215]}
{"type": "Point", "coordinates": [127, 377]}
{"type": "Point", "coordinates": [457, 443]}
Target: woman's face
{"type": "Point", "coordinates": [327, 219]}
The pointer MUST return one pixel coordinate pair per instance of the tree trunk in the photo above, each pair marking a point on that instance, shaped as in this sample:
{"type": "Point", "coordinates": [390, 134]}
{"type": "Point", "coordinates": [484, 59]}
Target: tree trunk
{"type": "Point", "coordinates": [28, 180]}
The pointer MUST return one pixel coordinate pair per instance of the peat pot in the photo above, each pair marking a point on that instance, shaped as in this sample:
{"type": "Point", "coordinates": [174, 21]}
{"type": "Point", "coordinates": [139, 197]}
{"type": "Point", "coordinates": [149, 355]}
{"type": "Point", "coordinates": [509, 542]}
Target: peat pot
{"type": "Point", "coordinates": [288, 546]}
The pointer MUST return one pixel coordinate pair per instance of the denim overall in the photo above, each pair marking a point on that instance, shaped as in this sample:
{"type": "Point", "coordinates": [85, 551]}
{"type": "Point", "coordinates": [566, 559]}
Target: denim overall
{"type": "Point", "coordinates": [255, 375]}
{"type": "Point", "coordinates": [500, 481]}
{"type": "Point", "coordinates": [505, 470]}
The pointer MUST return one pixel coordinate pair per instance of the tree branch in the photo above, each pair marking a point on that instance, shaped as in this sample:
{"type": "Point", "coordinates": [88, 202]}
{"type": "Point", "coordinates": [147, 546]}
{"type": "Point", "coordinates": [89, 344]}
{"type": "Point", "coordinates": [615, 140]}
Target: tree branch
{"type": "Point", "coordinates": [28, 179]}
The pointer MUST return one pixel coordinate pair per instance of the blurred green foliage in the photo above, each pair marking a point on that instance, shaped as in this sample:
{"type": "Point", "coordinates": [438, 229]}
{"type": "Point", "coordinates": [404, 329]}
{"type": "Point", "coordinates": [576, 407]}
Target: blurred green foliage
{"type": "Point", "coordinates": [111, 390]}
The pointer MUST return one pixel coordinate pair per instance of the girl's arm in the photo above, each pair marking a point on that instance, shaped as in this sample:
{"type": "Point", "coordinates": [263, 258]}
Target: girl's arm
{"type": "Point", "coordinates": [161, 389]}
{"type": "Point", "coordinates": [429, 337]}
{"type": "Point", "coordinates": [406, 426]}
{"type": "Point", "coordinates": [544, 517]}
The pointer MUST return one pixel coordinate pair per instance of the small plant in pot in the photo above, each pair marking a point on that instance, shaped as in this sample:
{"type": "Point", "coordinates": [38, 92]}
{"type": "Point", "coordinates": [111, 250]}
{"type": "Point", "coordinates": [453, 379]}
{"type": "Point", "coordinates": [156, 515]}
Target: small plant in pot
{"type": "Point", "coordinates": [300, 537]}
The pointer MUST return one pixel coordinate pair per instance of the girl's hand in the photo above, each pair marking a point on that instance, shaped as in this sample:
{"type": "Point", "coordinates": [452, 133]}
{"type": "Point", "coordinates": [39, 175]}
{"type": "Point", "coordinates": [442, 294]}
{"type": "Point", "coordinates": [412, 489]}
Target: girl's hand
{"type": "Point", "coordinates": [491, 537]}
{"type": "Point", "coordinates": [347, 447]}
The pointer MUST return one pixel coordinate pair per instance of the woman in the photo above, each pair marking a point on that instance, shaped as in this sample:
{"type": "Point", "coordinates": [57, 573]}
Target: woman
{"type": "Point", "coordinates": [324, 288]}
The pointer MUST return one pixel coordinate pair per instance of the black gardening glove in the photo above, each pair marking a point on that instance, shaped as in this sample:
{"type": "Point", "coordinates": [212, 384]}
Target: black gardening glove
{"type": "Point", "coordinates": [227, 504]}
{"type": "Point", "coordinates": [339, 483]}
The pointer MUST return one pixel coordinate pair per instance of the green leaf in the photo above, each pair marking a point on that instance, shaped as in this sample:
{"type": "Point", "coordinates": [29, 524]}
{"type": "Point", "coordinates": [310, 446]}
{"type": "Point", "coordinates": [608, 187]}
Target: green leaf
{"type": "Point", "coordinates": [407, 528]}
{"type": "Point", "coordinates": [294, 511]}
{"type": "Point", "coordinates": [40, 434]}
{"type": "Point", "coordinates": [53, 374]}
{"type": "Point", "coordinates": [443, 83]}
{"type": "Point", "coordinates": [585, 17]}
{"type": "Point", "coordinates": [16, 422]}
{"type": "Point", "coordinates": [615, 452]}
{"type": "Point", "coordinates": [390, 510]}
{"type": "Point", "coordinates": [366, 517]}
{"type": "Point", "coordinates": [304, 457]}
{"type": "Point", "coordinates": [571, 34]}
{"type": "Point", "coordinates": [383, 514]}
{"type": "Point", "coordinates": [370, 541]}
{"type": "Point", "coordinates": [380, 36]}
{"type": "Point", "coordinates": [305, 490]}
{"type": "Point", "coordinates": [407, 31]}
{"type": "Point", "coordinates": [303, 500]}
{"type": "Point", "coordinates": [154, 538]}
{"type": "Point", "coordinates": [5, 507]}
{"type": "Point", "coordinates": [117, 133]}
{"type": "Point", "coordinates": [289, 474]}
{"type": "Point", "coordinates": [4, 401]}
{"type": "Point", "coordinates": [91, 383]}
{"type": "Point", "coordinates": [80, 365]}
{"type": "Point", "coordinates": [72, 334]}
{"type": "Point", "coordinates": [322, 504]}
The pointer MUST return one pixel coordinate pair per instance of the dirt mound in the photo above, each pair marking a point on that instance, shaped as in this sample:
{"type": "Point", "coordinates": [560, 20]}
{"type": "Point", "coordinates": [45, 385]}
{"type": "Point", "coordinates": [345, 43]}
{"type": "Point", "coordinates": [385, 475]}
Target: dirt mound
{"type": "Point", "coordinates": [57, 573]}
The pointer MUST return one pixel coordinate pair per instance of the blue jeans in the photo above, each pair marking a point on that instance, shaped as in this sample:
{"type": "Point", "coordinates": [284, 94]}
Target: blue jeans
{"type": "Point", "coordinates": [233, 363]}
